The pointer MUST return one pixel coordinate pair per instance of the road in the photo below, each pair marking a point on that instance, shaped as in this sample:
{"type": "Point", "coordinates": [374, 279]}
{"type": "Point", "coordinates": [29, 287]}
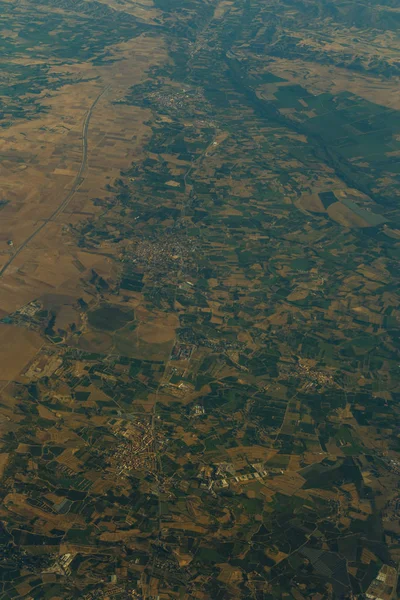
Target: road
{"type": "Point", "coordinates": [76, 183]}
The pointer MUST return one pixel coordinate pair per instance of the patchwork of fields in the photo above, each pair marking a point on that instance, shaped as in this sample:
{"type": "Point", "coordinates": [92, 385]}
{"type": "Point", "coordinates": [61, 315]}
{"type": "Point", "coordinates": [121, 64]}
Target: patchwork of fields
{"type": "Point", "coordinates": [199, 299]}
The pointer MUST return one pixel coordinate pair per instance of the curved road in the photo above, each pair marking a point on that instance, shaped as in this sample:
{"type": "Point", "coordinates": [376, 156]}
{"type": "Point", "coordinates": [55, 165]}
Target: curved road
{"type": "Point", "coordinates": [77, 182]}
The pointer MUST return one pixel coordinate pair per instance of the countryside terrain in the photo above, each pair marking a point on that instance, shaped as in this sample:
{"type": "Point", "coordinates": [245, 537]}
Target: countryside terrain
{"type": "Point", "coordinates": [199, 299]}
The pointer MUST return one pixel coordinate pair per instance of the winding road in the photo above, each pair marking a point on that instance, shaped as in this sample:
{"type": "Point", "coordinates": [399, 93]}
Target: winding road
{"type": "Point", "coordinates": [76, 183]}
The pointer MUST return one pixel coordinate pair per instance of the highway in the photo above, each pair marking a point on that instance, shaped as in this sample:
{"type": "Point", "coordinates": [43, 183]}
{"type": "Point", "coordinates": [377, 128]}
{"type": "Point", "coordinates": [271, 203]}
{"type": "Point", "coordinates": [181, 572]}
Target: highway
{"type": "Point", "coordinates": [76, 183]}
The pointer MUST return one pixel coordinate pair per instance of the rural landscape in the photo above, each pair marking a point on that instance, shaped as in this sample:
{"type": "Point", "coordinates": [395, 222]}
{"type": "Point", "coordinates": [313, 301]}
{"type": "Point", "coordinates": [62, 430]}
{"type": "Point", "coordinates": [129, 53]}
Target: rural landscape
{"type": "Point", "coordinates": [200, 299]}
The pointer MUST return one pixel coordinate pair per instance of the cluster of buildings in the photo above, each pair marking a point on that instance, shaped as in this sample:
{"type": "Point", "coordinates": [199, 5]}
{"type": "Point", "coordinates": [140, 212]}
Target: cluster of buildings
{"type": "Point", "coordinates": [182, 351]}
{"type": "Point", "coordinates": [162, 253]}
{"type": "Point", "coordinates": [135, 449]}
{"type": "Point", "coordinates": [224, 475]}
{"type": "Point", "coordinates": [62, 564]}
{"type": "Point", "coordinates": [383, 587]}
{"type": "Point", "coordinates": [177, 100]}
{"type": "Point", "coordinates": [314, 377]}
{"type": "Point", "coordinates": [393, 464]}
